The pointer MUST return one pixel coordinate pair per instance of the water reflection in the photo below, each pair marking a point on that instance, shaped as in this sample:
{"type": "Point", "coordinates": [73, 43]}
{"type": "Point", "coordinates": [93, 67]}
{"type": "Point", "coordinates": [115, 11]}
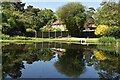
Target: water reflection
{"type": "Point", "coordinates": [71, 63]}
{"type": "Point", "coordinates": [72, 60]}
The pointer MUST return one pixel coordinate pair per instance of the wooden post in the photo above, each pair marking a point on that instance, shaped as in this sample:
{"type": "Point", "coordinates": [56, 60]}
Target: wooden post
{"type": "Point", "coordinates": [35, 34]}
{"type": "Point", "coordinates": [55, 33]}
{"type": "Point", "coordinates": [61, 33]}
{"type": "Point", "coordinates": [42, 34]}
{"type": "Point", "coordinates": [49, 34]}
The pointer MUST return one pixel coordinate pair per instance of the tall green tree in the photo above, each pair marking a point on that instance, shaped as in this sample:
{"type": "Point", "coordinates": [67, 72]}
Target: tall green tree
{"type": "Point", "coordinates": [38, 18]}
{"type": "Point", "coordinates": [12, 19]}
{"type": "Point", "coordinates": [16, 19]}
{"type": "Point", "coordinates": [31, 18]}
{"type": "Point", "coordinates": [108, 14]}
{"type": "Point", "coordinates": [73, 15]}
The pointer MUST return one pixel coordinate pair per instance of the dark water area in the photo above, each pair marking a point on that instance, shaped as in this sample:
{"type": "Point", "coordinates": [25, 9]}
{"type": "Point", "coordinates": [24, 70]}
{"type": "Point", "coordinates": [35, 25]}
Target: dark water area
{"type": "Point", "coordinates": [59, 60]}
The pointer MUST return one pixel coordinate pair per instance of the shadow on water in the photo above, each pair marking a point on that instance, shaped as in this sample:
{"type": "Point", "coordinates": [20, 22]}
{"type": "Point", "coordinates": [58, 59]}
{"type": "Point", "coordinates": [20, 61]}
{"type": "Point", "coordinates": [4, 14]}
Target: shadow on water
{"type": "Point", "coordinates": [72, 60]}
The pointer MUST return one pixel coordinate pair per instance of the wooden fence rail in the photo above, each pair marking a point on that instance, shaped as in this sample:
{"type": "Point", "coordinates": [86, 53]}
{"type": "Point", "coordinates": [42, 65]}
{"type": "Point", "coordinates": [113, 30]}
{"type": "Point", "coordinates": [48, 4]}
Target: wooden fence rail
{"type": "Point", "coordinates": [84, 34]}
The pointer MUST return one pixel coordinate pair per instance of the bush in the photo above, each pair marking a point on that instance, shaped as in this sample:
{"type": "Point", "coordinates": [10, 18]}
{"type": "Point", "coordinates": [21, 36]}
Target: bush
{"type": "Point", "coordinates": [113, 32]}
{"type": "Point", "coordinates": [47, 29]}
{"type": "Point", "coordinates": [107, 40]}
{"type": "Point", "coordinates": [44, 29]}
{"type": "Point", "coordinates": [101, 29]}
{"type": "Point", "coordinates": [30, 32]}
{"type": "Point", "coordinates": [56, 29]}
{"type": "Point", "coordinates": [5, 37]}
{"type": "Point", "coordinates": [21, 38]}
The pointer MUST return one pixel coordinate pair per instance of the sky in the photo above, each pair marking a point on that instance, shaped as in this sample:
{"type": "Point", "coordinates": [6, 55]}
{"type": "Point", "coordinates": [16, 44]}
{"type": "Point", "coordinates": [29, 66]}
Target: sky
{"type": "Point", "coordinates": [54, 5]}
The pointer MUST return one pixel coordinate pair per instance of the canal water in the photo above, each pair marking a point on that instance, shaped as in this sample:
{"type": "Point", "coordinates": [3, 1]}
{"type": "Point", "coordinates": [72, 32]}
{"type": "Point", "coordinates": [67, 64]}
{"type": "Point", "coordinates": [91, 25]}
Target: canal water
{"type": "Point", "coordinates": [59, 60]}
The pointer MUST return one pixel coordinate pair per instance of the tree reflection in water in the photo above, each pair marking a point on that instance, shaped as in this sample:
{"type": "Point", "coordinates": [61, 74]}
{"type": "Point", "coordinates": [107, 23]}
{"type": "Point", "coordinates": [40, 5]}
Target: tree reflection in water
{"type": "Point", "coordinates": [108, 67]}
{"type": "Point", "coordinates": [71, 63]}
{"type": "Point", "coordinates": [106, 62]}
{"type": "Point", "coordinates": [13, 58]}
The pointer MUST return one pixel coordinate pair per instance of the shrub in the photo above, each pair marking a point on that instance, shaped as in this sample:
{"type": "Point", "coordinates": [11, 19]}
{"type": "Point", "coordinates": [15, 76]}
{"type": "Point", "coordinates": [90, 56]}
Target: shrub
{"type": "Point", "coordinates": [113, 32]}
{"type": "Point", "coordinates": [30, 32]}
{"type": "Point", "coordinates": [5, 37]}
{"type": "Point", "coordinates": [21, 38]}
{"type": "Point", "coordinates": [56, 29]}
{"type": "Point", "coordinates": [44, 30]}
{"type": "Point", "coordinates": [101, 29]}
{"type": "Point", "coordinates": [106, 40]}
{"type": "Point", "coordinates": [47, 29]}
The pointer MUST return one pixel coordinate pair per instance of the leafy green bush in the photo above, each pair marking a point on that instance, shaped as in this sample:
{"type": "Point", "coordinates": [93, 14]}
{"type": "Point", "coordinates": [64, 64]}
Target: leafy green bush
{"type": "Point", "coordinates": [45, 29]}
{"type": "Point", "coordinates": [30, 32]}
{"type": "Point", "coordinates": [20, 38]}
{"type": "Point", "coordinates": [56, 29]}
{"type": "Point", "coordinates": [107, 40]}
{"type": "Point", "coordinates": [5, 37]}
{"type": "Point", "coordinates": [113, 32]}
{"type": "Point", "coordinates": [101, 29]}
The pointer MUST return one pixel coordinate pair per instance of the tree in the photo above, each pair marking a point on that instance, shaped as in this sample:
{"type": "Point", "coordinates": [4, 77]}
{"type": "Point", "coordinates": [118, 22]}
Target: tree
{"type": "Point", "coordinates": [38, 18]}
{"type": "Point", "coordinates": [73, 15]}
{"type": "Point", "coordinates": [12, 19]}
{"type": "Point", "coordinates": [19, 6]}
{"type": "Point", "coordinates": [16, 19]}
{"type": "Point", "coordinates": [47, 16]}
{"type": "Point", "coordinates": [112, 32]}
{"type": "Point", "coordinates": [89, 17]}
{"type": "Point", "coordinates": [107, 14]}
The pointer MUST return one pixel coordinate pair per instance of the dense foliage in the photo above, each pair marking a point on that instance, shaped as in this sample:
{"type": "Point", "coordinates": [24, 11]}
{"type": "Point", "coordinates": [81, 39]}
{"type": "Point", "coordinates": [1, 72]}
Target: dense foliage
{"type": "Point", "coordinates": [113, 32]}
{"type": "Point", "coordinates": [73, 15]}
{"type": "Point", "coordinates": [107, 14]}
{"type": "Point", "coordinates": [16, 19]}
{"type": "Point", "coordinates": [89, 17]}
{"type": "Point", "coordinates": [107, 40]}
{"type": "Point", "coordinates": [100, 30]}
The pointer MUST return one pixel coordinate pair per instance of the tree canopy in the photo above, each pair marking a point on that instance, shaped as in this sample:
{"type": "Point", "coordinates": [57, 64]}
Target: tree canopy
{"type": "Point", "coordinates": [16, 19]}
{"type": "Point", "coordinates": [73, 15]}
{"type": "Point", "coordinates": [107, 14]}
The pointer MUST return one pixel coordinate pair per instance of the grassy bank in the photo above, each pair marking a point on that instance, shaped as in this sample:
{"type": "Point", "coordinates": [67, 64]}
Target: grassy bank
{"type": "Point", "coordinates": [64, 40]}
{"type": "Point", "coordinates": [22, 39]}
{"type": "Point", "coordinates": [53, 40]}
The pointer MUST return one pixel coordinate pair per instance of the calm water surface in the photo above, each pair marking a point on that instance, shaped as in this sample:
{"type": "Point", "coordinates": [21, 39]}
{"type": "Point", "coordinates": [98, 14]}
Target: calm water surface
{"type": "Point", "coordinates": [60, 60]}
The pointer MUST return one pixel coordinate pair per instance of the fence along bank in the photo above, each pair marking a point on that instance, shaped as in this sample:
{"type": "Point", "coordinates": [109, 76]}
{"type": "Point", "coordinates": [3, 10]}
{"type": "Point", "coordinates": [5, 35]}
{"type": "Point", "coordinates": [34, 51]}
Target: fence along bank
{"type": "Point", "coordinates": [56, 34]}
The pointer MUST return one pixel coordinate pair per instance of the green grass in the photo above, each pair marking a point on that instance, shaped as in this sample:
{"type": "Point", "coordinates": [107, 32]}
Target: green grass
{"type": "Point", "coordinates": [63, 40]}
{"type": "Point", "coordinates": [22, 39]}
